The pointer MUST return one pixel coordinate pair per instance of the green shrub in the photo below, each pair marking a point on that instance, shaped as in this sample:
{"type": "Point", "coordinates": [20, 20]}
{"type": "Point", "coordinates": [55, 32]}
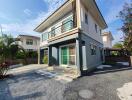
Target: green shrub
{"type": "Point", "coordinates": [45, 60]}
{"type": "Point", "coordinates": [31, 54]}
{"type": "Point", "coordinates": [20, 55]}
{"type": "Point", "coordinates": [1, 59]}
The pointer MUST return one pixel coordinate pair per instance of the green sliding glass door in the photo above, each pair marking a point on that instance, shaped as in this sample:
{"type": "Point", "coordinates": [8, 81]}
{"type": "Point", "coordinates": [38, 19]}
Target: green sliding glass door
{"type": "Point", "coordinates": [68, 55]}
{"type": "Point", "coordinates": [64, 56]}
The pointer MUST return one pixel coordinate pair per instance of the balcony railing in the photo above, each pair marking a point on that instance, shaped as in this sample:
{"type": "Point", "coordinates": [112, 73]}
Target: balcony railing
{"type": "Point", "coordinates": [65, 27]}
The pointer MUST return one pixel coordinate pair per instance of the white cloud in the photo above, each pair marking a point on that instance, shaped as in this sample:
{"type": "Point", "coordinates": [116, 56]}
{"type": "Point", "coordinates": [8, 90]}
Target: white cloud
{"type": "Point", "coordinates": [27, 12]}
{"type": "Point", "coordinates": [29, 26]}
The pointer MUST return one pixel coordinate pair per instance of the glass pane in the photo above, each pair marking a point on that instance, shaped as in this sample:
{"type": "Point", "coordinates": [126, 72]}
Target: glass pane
{"type": "Point", "coordinates": [65, 60]}
{"type": "Point", "coordinates": [64, 56]}
{"type": "Point", "coordinates": [72, 50]}
{"type": "Point", "coordinates": [72, 60]}
{"type": "Point", "coordinates": [44, 36]}
{"type": "Point", "coordinates": [72, 55]}
{"type": "Point", "coordinates": [67, 24]}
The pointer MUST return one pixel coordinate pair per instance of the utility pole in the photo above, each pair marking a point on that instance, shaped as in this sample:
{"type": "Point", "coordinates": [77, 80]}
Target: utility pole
{"type": "Point", "coordinates": [1, 31]}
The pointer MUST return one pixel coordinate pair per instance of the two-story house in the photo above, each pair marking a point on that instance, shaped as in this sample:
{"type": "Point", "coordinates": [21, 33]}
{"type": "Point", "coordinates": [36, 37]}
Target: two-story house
{"type": "Point", "coordinates": [107, 39]}
{"type": "Point", "coordinates": [71, 36]}
{"type": "Point", "coordinates": [29, 43]}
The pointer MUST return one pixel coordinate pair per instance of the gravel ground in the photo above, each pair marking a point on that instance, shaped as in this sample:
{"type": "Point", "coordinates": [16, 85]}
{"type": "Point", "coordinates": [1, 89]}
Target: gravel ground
{"type": "Point", "coordinates": [32, 86]}
{"type": "Point", "coordinates": [103, 85]}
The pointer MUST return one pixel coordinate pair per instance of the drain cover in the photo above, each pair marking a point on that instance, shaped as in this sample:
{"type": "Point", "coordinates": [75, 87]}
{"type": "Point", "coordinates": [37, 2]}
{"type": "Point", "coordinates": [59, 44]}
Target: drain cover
{"type": "Point", "coordinates": [86, 94]}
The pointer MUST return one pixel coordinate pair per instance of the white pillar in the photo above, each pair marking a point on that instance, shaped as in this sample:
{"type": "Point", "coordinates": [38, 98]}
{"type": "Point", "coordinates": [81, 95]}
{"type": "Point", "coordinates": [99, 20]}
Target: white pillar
{"type": "Point", "coordinates": [38, 55]}
{"type": "Point", "coordinates": [130, 61]}
{"type": "Point", "coordinates": [78, 10]}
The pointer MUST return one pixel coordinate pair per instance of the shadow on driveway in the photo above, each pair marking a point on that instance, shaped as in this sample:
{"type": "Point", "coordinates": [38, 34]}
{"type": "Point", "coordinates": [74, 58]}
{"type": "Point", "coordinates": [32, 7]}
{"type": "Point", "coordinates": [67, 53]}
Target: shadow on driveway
{"type": "Point", "coordinates": [105, 70]}
{"type": "Point", "coordinates": [9, 87]}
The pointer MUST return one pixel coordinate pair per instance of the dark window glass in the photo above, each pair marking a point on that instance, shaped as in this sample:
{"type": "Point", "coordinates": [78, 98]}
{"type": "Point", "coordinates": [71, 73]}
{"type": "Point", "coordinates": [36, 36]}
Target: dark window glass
{"type": "Point", "coordinates": [86, 18]}
{"type": "Point", "coordinates": [29, 42]}
{"type": "Point", "coordinates": [100, 31]}
{"type": "Point", "coordinates": [93, 49]}
{"type": "Point", "coordinates": [96, 28]}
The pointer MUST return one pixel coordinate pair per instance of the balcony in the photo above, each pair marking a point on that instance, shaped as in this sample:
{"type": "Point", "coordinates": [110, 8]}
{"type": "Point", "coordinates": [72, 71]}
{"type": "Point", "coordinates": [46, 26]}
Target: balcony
{"type": "Point", "coordinates": [64, 28]}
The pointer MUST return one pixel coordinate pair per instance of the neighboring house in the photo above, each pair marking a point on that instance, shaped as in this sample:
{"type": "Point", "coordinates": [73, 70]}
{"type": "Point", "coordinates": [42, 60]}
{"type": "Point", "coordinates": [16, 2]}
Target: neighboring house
{"type": "Point", "coordinates": [29, 43]}
{"type": "Point", "coordinates": [71, 36]}
{"type": "Point", "coordinates": [107, 39]}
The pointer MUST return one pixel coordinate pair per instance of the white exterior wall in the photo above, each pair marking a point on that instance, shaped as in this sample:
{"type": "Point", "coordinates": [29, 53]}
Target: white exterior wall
{"type": "Point", "coordinates": [107, 41]}
{"type": "Point", "coordinates": [58, 31]}
{"type": "Point", "coordinates": [89, 29]}
{"type": "Point", "coordinates": [34, 47]}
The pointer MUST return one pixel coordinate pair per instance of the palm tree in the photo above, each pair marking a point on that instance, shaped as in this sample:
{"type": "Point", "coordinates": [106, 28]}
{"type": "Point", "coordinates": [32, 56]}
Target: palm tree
{"type": "Point", "coordinates": [9, 47]}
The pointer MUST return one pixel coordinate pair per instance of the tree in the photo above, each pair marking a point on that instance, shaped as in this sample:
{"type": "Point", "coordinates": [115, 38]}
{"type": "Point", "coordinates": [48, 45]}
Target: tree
{"type": "Point", "coordinates": [126, 16]}
{"type": "Point", "coordinates": [9, 48]}
{"type": "Point", "coordinates": [118, 45]}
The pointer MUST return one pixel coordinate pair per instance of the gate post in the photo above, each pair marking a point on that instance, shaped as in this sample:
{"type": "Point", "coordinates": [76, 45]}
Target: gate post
{"type": "Point", "coordinates": [130, 63]}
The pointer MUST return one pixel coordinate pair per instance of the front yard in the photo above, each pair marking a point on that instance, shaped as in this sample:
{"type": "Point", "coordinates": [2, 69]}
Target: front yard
{"type": "Point", "coordinates": [100, 85]}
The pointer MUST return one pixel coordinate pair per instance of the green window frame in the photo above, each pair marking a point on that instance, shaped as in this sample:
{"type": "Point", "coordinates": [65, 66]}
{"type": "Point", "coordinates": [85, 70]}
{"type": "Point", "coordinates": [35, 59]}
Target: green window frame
{"type": "Point", "coordinates": [68, 55]}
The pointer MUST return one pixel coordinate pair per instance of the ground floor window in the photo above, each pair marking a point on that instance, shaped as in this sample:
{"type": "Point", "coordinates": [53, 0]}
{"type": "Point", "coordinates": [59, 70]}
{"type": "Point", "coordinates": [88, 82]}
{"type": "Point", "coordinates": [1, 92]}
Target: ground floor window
{"type": "Point", "coordinates": [68, 55]}
{"type": "Point", "coordinates": [45, 58]}
{"type": "Point", "coordinates": [93, 49]}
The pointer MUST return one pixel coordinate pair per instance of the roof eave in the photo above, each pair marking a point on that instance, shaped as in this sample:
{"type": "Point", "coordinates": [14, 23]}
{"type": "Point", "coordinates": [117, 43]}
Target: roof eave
{"type": "Point", "coordinates": [105, 24]}
{"type": "Point", "coordinates": [37, 28]}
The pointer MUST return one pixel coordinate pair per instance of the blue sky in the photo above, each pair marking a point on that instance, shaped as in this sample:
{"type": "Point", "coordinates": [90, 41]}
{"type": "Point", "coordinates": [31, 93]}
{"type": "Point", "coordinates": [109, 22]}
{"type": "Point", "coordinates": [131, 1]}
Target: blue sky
{"type": "Point", "coordinates": [22, 16]}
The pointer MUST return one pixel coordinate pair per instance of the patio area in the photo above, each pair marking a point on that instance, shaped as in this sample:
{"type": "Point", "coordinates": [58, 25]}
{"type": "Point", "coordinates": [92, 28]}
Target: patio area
{"type": "Point", "coordinates": [56, 72]}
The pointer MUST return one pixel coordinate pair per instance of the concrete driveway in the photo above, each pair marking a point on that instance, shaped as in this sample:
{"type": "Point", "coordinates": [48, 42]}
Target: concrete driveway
{"type": "Point", "coordinates": [27, 84]}
{"type": "Point", "coordinates": [100, 85]}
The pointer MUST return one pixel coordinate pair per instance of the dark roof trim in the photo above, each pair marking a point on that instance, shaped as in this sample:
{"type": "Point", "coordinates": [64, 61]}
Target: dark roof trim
{"type": "Point", "coordinates": [100, 13]}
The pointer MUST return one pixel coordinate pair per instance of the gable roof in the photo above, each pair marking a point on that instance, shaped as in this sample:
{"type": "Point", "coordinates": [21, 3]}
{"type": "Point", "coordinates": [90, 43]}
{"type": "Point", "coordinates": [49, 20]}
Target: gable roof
{"type": "Point", "coordinates": [29, 36]}
{"type": "Point", "coordinates": [62, 7]}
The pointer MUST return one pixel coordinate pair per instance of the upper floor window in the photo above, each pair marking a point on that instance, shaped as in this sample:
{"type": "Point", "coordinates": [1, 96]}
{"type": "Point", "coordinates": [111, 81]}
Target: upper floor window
{"type": "Point", "coordinates": [52, 31]}
{"type": "Point", "coordinates": [100, 31]}
{"type": "Point", "coordinates": [29, 42]}
{"type": "Point", "coordinates": [96, 28]}
{"type": "Point", "coordinates": [44, 36]}
{"type": "Point", "coordinates": [86, 18]}
{"type": "Point", "coordinates": [67, 24]}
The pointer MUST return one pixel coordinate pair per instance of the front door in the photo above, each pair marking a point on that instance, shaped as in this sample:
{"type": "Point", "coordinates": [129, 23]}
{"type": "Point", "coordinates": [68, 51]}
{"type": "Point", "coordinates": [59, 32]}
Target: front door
{"type": "Point", "coordinates": [68, 55]}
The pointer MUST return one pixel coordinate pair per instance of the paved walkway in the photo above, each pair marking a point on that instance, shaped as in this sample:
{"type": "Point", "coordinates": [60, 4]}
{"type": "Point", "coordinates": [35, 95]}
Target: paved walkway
{"type": "Point", "coordinates": [25, 69]}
